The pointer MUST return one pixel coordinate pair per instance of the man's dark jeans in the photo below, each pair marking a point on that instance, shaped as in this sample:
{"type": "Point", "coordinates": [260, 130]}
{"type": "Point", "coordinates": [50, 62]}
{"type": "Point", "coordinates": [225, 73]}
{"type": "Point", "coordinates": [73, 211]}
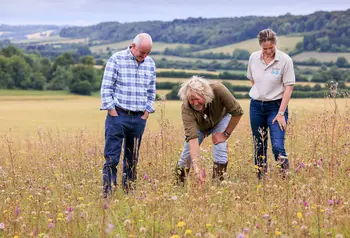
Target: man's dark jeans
{"type": "Point", "coordinates": [261, 116]}
{"type": "Point", "coordinates": [118, 128]}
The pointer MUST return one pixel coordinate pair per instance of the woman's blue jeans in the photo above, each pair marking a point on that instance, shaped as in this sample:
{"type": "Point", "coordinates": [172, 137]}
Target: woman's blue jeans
{"type": "Point", "coordinates": [261, 116]}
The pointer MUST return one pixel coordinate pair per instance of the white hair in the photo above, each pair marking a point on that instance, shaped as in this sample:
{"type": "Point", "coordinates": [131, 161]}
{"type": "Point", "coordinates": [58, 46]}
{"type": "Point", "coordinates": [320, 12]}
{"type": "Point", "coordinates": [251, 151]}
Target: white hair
{"type": "Point", "coordinates": [142, 37]}
{"type": "Point", "coordinates": [196, 86]}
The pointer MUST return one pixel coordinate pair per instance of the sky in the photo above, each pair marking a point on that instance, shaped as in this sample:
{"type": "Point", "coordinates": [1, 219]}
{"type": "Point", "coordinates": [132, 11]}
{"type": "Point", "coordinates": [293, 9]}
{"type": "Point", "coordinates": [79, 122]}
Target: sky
{"type": "Point", "coordinates": [90, 12]}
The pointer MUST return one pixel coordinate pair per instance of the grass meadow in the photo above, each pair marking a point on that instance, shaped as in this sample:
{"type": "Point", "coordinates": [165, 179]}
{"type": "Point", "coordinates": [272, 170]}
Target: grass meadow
{"type": "Point", "coordinates": [51, 150]}
{"type": "Point", "coordinates": [157, 46]}
{"type": "Point", "coordinates": [52, 40]}
{"type": "Point", "coordinates": [233, 82]}
{"type": "Point", "coordinates": [321, 56]}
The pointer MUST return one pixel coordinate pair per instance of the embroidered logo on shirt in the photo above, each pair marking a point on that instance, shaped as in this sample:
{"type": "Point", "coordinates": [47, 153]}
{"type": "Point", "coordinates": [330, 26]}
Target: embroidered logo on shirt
{"type": "Point", "coordinates": [276, 71]}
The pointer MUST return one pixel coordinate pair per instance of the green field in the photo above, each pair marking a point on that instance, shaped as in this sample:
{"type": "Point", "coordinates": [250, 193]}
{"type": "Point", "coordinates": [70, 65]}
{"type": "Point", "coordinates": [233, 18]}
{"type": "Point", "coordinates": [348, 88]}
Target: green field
{"type": "Point", "coordinates": [320, 56]}
{"type": "Point", "coordinates": [157, 46]}
{"type": "Point", "coordinates": [52, 40]}
{"type": "Point", "coordinates": [189, 71]}
{"type": "Point", "coordinates": [285, 43]}
{"type": "Point", "coordinates": [177, 58]}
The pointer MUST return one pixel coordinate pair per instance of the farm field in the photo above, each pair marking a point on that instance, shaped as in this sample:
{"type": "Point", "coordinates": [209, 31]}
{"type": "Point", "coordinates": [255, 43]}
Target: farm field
{"type": "Point", "coordinates": [233, 82]}
{"type": "Point", "coordinates": [157, 46]}
{"type": "Point", "coordinates": [52, 40]}
{"type": "Point", "coordinates": [199, 72]}
{"type": "Point", "coordinates": [52, 157]}
{"type": "Point", "coordinates": [285, 43]}
{"type": "Point", "coordinates": [320, 56]}
{"type": "Point", "coordinates": [189, 71]}
{"type": "Point", "coordinates": [177, 58]}
{"type": "Point", "coordinates": [40, 35]}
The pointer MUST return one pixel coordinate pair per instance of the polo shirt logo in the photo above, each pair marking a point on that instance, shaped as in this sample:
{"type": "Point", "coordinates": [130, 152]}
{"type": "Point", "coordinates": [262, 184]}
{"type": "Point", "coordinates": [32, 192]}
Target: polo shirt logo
{"type": "Point", "coordinates": [276, 71]}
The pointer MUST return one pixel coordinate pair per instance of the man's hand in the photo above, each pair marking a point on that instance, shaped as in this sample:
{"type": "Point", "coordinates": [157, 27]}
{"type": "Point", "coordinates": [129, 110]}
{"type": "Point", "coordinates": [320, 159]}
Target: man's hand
{"type": "Point", "coordinates": [145, 115]}
{"type": "Point", "coordinates": [218, 138]}
{"type": "Point", "coordinates": [113, 113]}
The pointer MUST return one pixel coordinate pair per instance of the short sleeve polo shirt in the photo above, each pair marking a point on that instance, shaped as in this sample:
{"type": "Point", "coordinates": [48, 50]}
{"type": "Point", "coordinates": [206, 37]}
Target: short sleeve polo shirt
{"type": "Point", "coordinates": [269, 80]}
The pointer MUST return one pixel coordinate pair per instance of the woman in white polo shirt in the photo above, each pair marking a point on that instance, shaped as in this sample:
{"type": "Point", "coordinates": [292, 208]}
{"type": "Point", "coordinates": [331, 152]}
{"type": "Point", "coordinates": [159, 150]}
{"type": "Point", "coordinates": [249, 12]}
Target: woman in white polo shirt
{"type": "Point", "coordinates": [272, 75]}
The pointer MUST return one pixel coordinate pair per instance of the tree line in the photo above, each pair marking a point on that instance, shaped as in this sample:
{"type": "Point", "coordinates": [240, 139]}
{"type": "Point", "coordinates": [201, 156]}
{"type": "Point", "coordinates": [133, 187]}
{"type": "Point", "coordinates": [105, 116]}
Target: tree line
{"type": "Point", "coordinates": [33, 71]}
{"type": "Point", "coordinates": [322, 31]}
{"type": "Point", "coordinates": [77, 74]}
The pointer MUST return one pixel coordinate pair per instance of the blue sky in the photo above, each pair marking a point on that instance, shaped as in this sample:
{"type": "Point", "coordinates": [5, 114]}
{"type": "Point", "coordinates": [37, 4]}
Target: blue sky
{"type": "Point", "coordinates": [89, 12]}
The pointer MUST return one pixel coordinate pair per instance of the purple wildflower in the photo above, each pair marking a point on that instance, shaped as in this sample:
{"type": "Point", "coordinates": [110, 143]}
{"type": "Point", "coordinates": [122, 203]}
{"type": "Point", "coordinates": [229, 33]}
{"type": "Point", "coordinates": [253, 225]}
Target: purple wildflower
{"type": "Point", "coordinates": [17, 210]}
{"type": "Point", "coordinates": [69, 217]}
{"type": "Point", "coordinates": [110, 228]}
{"type": "Point", "coordinates": [204, 173]}
{"type": "Point", "coordinates": [330, 202]}
{"type": "Point", "coordinates": [51, 225]}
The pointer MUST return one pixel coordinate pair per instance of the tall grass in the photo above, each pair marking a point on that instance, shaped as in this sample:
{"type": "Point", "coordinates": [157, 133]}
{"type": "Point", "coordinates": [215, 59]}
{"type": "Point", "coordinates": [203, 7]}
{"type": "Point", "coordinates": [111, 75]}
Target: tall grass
{"type": "Point", "coordinates": [51, 185]}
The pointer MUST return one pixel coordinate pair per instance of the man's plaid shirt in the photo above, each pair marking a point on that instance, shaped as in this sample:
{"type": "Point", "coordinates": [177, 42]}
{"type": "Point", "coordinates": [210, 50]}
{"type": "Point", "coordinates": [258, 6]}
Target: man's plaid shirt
{"type": "Point", "coordinates": [127, 84]}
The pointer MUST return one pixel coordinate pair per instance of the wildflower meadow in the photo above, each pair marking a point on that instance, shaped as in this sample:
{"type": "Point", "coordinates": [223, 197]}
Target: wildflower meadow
{"type": "Point", "coordinates": [50, 177]}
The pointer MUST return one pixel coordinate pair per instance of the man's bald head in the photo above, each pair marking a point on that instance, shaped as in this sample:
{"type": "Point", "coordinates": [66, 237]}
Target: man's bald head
{"type": "Point", "coordinates": [143, 38]}
{"type": "Point", "coordinates": [141, 46]}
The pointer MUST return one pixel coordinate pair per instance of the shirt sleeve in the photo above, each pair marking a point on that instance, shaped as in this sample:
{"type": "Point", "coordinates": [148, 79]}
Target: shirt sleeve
{"type": "Point", "coordinates": [190, 124]}
{"type": "Point", "coordinates": [249, 69]}
{"type": "Point", "coordinates": [229, 101]}
{"type": "Point", "coordinates": [108, 84]}
{"type": "Point", "coordinates": [151, 93]}
{"type": "Point", "coordinates": [288, 74]}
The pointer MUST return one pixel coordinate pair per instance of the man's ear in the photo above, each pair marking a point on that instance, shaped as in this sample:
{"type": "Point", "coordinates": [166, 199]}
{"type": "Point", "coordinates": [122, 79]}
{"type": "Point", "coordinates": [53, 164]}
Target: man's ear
{"type": "Point", "coordinates": [133, 45]}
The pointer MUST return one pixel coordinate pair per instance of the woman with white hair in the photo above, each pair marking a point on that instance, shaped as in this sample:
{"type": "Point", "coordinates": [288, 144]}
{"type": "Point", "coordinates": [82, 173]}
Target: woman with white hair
{"type": "Point", "coordinates": [207, 109]}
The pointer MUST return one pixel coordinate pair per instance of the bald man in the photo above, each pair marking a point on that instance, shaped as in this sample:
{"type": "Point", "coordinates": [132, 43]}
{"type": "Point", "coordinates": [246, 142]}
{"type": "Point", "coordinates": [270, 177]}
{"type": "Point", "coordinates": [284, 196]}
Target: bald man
{"type": "Point", "coordinates": [128, 93]}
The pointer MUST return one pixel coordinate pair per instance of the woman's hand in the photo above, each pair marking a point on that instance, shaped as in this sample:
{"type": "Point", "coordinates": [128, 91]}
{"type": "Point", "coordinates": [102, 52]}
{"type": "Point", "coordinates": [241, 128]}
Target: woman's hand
{"type": "Point", "coordinates": [281, 121]}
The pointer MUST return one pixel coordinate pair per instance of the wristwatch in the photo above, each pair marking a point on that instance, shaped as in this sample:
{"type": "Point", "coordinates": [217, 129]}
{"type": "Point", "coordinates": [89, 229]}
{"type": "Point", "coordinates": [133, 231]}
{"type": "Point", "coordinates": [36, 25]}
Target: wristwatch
{"type": "Point", "coordinates": [226, 134]}
{"type": "Point", "coordinates": [281, 113]}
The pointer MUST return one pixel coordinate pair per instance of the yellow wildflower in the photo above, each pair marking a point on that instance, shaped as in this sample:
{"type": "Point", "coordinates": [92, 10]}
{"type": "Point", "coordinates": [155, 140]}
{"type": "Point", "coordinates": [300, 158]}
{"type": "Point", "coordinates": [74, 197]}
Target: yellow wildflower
{"type": "Point", "coordinates": [299, 215]}
{"type": "Point", "coordinates": [181, 224]}
{"type": "Point", "coordinates": [208, 226]}
{"type": "Point", "coordinates": [175, 236]}
{"type": "Point", "coordinates": [188, 232]}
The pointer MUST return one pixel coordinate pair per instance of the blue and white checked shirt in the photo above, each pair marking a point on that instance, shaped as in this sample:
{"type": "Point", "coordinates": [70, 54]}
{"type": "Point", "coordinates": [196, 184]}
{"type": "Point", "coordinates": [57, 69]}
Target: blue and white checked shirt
{"type": "Point", "coordinates": [127, 84]}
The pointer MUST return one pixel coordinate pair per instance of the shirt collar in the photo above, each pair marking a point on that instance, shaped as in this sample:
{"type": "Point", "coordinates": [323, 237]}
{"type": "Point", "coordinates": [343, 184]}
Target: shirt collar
{"type": "Point", "coordinates": [129, 54]}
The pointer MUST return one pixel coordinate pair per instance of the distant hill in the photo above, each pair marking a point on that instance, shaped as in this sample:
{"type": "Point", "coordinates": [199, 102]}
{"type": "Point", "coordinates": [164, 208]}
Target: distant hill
{"type": "Point", "coordinates": [28, 31]}
{"type": "Point", "coordinates": [322, 31]}
{"type": "Point", "coordinates": [285, 43]}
